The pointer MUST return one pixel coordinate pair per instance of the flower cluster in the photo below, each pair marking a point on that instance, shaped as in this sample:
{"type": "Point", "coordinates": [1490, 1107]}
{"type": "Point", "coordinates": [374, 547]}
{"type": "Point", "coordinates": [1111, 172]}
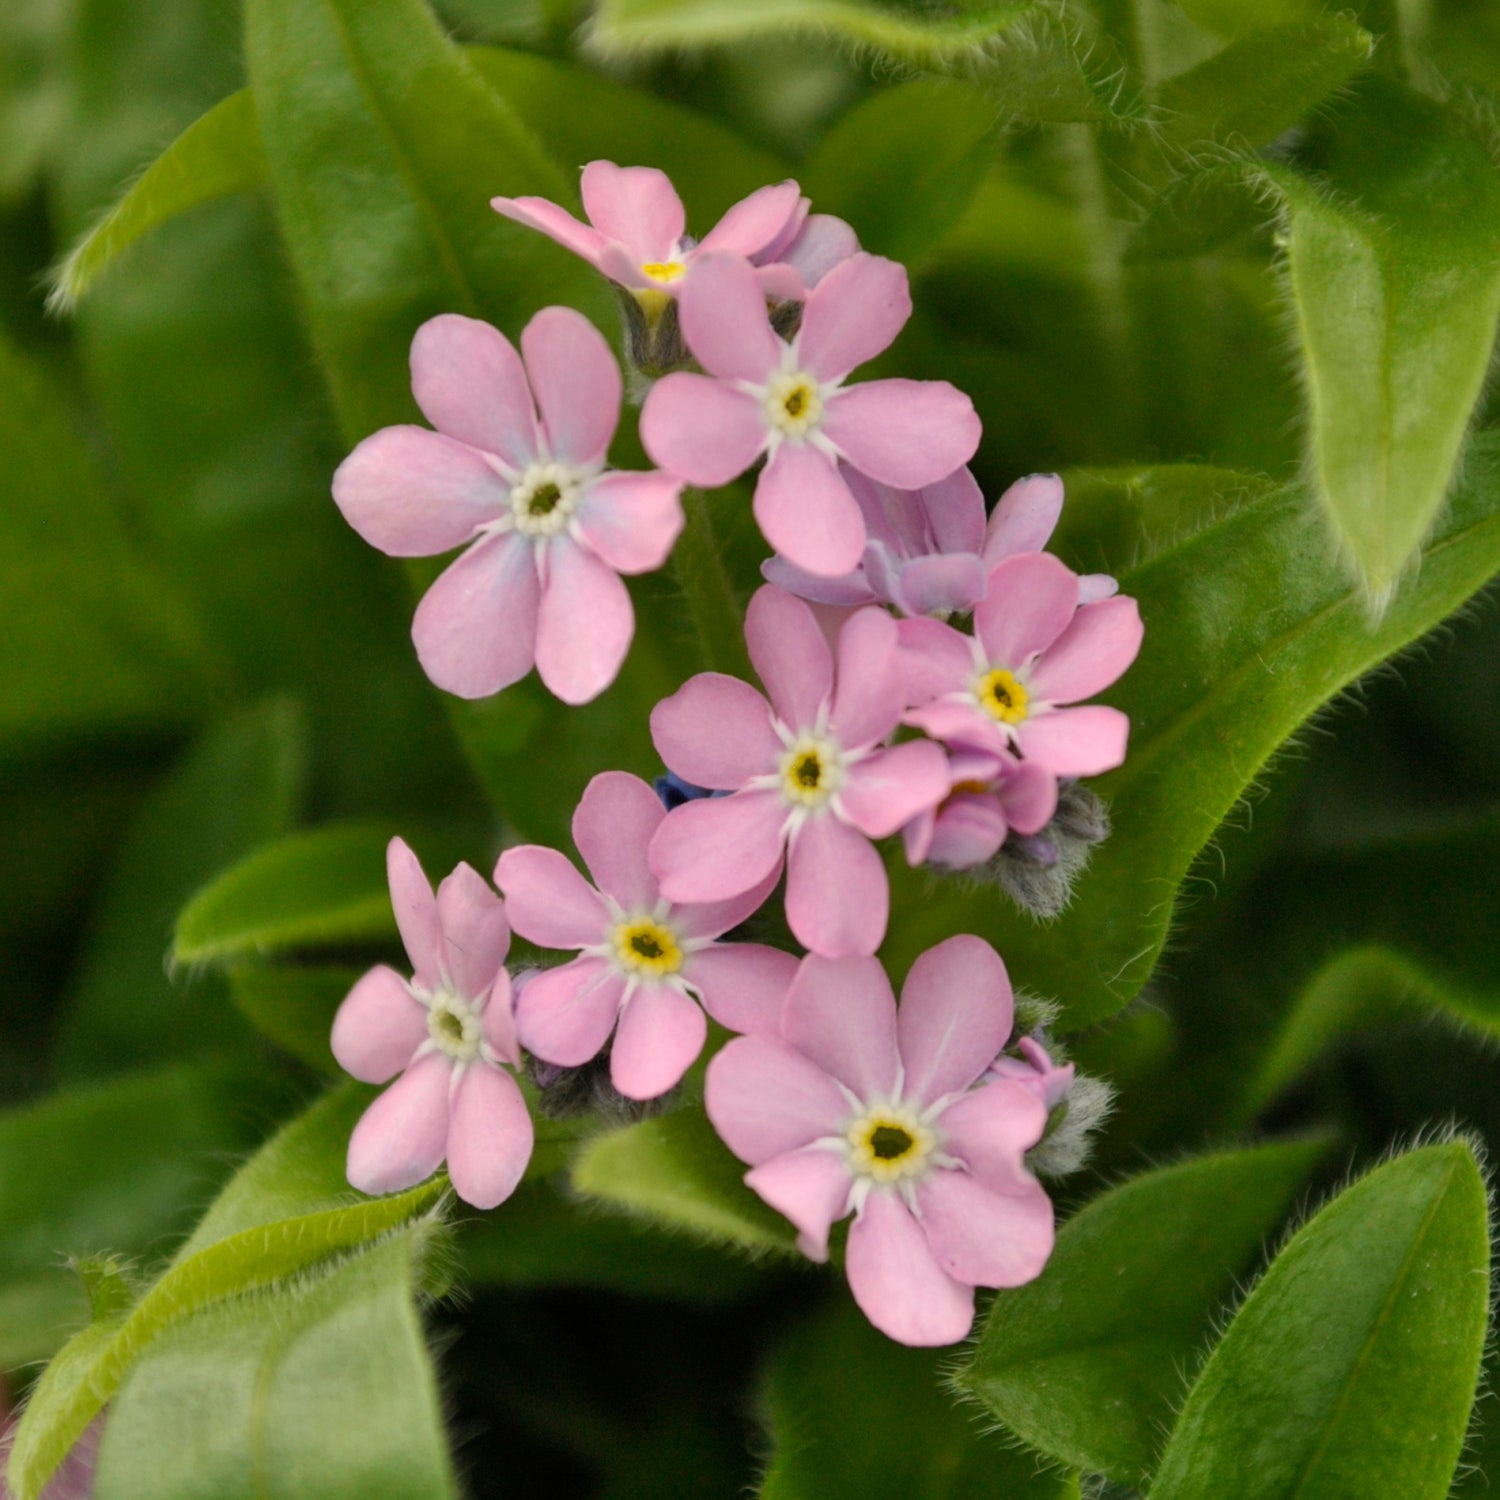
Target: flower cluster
{"type": "Point", "coordinates": [876, 717]}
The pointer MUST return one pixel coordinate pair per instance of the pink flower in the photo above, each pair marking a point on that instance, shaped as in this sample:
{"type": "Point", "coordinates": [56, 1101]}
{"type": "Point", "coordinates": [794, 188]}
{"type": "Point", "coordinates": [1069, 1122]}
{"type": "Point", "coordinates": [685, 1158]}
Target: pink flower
{"type": "Point", "coordinates": [788, 400]}
{"type": "Point", "coordinates": [857, 1108]}
{"type": "Point", "coordinates": [636, 234]}
{"type": "Point", "coordinates": [446, 1031]}
{"type": "Point", "coordinates": [989, 795]}
{"type": "Point", "coordinates": [1034, 1069]}
{"type": "Point", "coordinates": [548, 527]}
{"type": "Point", "coordinates": [809, 778]}
{"type": "Point", "coordinates": [1034, 651]}
{"type": "Point", "coordinates": [1023, 520]}
{"type": "Point", "coordinates": [791, 270]}
{"type": "Point", "coordinates": [645, 965]}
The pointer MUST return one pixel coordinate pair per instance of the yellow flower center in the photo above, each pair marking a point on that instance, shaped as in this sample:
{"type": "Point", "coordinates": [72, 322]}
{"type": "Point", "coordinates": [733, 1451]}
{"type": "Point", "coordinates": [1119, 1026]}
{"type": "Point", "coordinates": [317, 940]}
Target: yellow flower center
{"type": "Point", "coordinates": [888, 1143]}
{"type": "Point", "coordinates": [811, 771]}
{"type": "Point", "coordinates": [646, 948]}
{"type": "Point", "coordinates": [792, 403]}
{"type": "Point", "coordinates": [664, 270]}
{"type": "Point", "coordinates": [453, 1026]}
{"type": "Point", "coordinates": [1001, 696]}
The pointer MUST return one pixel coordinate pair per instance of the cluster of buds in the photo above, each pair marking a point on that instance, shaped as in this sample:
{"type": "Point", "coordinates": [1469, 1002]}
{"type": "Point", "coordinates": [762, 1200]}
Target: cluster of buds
{"type": "Point", "coordinates": [876, 717]}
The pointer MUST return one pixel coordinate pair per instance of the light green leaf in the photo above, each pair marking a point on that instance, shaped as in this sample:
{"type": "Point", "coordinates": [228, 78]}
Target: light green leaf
{"type": "Point", "coordinates": [903, 165]}
{"type": "Point", "coordinates": [293, 1006]}
{"type": "Point", "coordinates": [216, 156]}
{"type": "Point", "coordinates": [1264, 83]}
{"type": "Point", "coordinates": [323, 1386]}
{"type": "Point", "coordinates": [1085, 1363]}
{"type": "Point", "coordinates": [677, 1173]}
{"type": "Point", "coordinates": [1350, 1369]}
{"type": "Point", "coordinates": [1248, 632]}
{"type": "Point", "coordinates": [122, 1010]}
{"type": "Point", "coordinates": [855, 1416]}
{"type": "Point", "coordinates": [1395, 284]}
{"type": "Point", "coordinates": [1232, 18]}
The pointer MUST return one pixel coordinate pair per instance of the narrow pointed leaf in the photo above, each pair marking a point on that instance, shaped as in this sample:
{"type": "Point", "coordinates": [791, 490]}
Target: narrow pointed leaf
{"type": "Point", "coordinates": [1085, 1362]}
{"type": "Point", "coordinates": [1351, 1367]}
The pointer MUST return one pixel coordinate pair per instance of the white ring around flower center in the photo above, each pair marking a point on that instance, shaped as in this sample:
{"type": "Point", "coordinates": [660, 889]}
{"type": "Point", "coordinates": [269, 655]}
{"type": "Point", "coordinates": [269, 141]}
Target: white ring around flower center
{"type": "Point", "coordinates": [454, 1026]}
{"type": "Point", "coordinates": [545, 498]}
{"type": "Point", "coordinates": [889, 1143]}
{"type": "Point", "coordinates": [812, 770]}
{"type": "Point", "coordinates": [793, 403]}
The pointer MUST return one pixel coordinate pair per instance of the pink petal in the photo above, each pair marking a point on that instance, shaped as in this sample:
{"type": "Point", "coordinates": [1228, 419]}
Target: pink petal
{"type": "Point", "coordinates": [822, 243]}
{"type": "Point", "coordinates": [416, 912]}
{"type": "Point", "coordinates": [584, 624]}
{"type": "Point", "coordinates": [903, 432]}
{"type": "Point", "coordinates": [660, 1035]}
{"type": "Point", "coordinates": [549, 903]}
{"type": "Point", "coordinates": [771, 251]}
{"type": "Point", "coordinates": [982, 1237]}
{"type": "Point", "coordinates": [556, 223]}
{"type": "Point", "coordinates": [469, 382]}
{"type": "Point", "coordinates": [489, 1138]}
{"type": "Point", "coordinates": [847, 590]}
{"type": "Point", "coordinates": [837, 894]}
{"type": "Point", "coordinates": [898, 1284]}
{"type": "Point", "coordinates": [892, 786]}
{"type": "Point", "coordinates": [992, 1128]}
{"type": "Point", "coordinates": [841, 1013]}
{"type": "Point", "coordinates": [955, 511]}
{"type": "Point", "coordinates": [577, 384]}
{"type": "Point", "coordinates": [400, 1139]}
{"type": "Point", "coordinates": [755, 222]}
{"type": "Point", "coordinates": [475, 629]}
{"type": "Point", "coordinates": [765, 1098]}
{"type": "Point", "coordinates": [1076, 741]}
{"type": "Point", "coordinates": [1029, 796]}
{"type": "Point", "coordinates": [968, 829]}
{"type": "Point", "coordinates": [565, 1015]}
{"type": "Point", "coordinates": [638, 206]}
{"type": "Point", "coordinates": [1031, 600]}
{"type": "Point", "coordinates": [701, 430]}
{"type": "Point", "coordinates": [805, 510]}
{"type": "Point", "coordinates": [935, 659]}
{"type": "Point", "coordinates": [612, 826]}
{"type": "Point", "coordinates": [723, 316]}
{"type": "Point", "coordinates": [956, 1014]}
{"type": "Point", "coordinates": [1094, 650]}
{"type": "Point", "coordinates": [378, 1027]}
{"type": "Point", "coordinates": [1024, 517]}
{"type": "Point", "coordinates": [715, 731]}
{"type": "Point", "coordinates": [476, 936]}
{"type": "Point", "coordinates": [855, 311]}
{"type": "Point", "coordinates": [711, 919]}
{"type": "Point", "coordinates": [811, 1187]}
{"type": "Point", "coordinates": [413, 493]}
{"type": "Point", "coordinates": [868, 699]}
{"type": "Point", "coordinates": [939, 585]}
{"type": "Point", "coordinates": [916, 837]}
{"type": "Point", "coordinates": [742, 984]}
{"type": "Point", "coordinates": [790, 655]}
{"type": "Point", "coordinates": [717, 847]}
{"type": "Point", "coordinates": [1092, 587]}
{"type": "Point", "coordinates": [631, 520]}
{"type": "Point", "coordinates": [959, 723]}
{"type": "Point", "coordinates": [499, 1020]}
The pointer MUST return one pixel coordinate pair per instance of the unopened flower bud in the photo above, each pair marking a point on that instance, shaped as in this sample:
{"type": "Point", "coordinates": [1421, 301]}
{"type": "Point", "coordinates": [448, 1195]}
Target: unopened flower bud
{"type": "Point", "coordinates": [653, 337]}
{"type": "Point", "coordinates": [1037, 871]}
{"type": "Point", "coordinates": [567, 1093]}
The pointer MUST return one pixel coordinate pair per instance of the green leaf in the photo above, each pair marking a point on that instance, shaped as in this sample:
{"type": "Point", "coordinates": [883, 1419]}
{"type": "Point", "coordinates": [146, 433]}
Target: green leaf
{"type": "Point", "coordinates": [1350, 1369]}
{"type": "Point", "coordinates": [1231, 18]}
{"type": "Point", "coordinates": [216, 156]}
{"type": "Point", "coordinates": [323, 1386]}
{"type": "Point", "coordinates": [855, 1416]}
{"type": "Point", "coordinates": [119, 1167]}
{"type": "Point", "coordinates": [314, 889]}
{"type": "Point", "coordinates": [1248, 632]}
{"type": "Point", "coordinates": [293, 1006]}
{"type": "Point", "coordinates": [271, 1222]}
{"type": "Point", "coordinates": [95, 638]}
{"type": "Point", "coordinates": [1396, 290]}
{"type": "Point", "coordinates": [1264, 83]}
{"type": "Point", "coordinates": [122, 1011]}
{"type": "Point", "coordinates": [33, 89]}
{"type": "Point", "coordinates": [1199, 211]}
{"type": "Point", "coordinates": [675, 1172]}
{"type": "Point", "coordinates": [1085, 1363]}
{"type": "Point", "coordinates": [903, 165]}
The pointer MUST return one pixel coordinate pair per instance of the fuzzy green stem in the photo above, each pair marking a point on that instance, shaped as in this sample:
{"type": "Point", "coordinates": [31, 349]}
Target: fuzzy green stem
{"type": "Point", "coordinates": [712, 603]}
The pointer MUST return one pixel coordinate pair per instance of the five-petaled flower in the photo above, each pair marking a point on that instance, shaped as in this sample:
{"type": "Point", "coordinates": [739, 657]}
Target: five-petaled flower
{"type": "Point", "coordinates": [807, 770]}
{"type": "Point", "coordinates": [645, 965]}
{"type": "Point", "coordinates": [990, 793]}
{"type": "Point", "coordinates": [447, 1031]}
{"type": "Point", "coordinates": [858, 1108]}
{"type": "Point", "coordinates": [788, 400]}
{"type": "Point", "coordinates": [548, 528]}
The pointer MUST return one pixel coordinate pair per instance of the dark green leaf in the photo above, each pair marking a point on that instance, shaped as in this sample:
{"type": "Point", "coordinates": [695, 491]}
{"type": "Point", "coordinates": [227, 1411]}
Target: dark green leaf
{"type": "Point", "coordinates": [1085, 1363]}
{"type": "Point", "coordinates": [1201, 210]}
{"type": "Point", "coordinates": [293, 1006]}
{"type": "Point", "coordinates": [1350, 1369]}
{"type": "Point", "coordinates": [854, 1416]}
